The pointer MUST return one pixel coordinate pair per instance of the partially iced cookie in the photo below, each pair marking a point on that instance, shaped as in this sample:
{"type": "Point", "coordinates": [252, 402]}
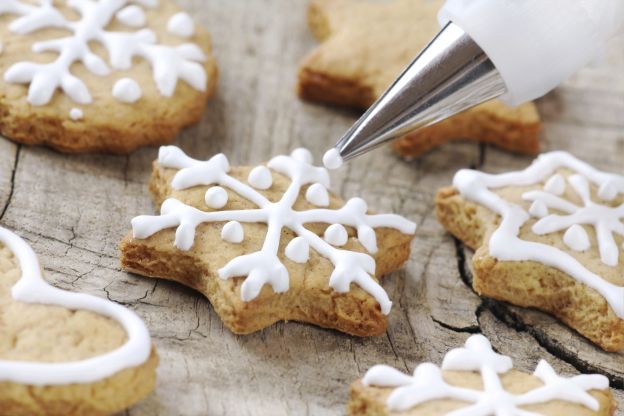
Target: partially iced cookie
{"type": "Point", "coordinates": [100, 75]}
{"type": "Point", "coordinates": [64, 353]}
{"type": "Point", "coordinates": [476, 381]}
{"type": "Point", "coordinates": [268, 243]}
{"type": "Point", "coordinates": [548, 237]}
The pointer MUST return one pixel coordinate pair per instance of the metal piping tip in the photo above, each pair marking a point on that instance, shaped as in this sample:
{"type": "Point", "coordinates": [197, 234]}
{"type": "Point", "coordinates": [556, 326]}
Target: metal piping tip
{"type": "Point", "coordinates": [450, 75]}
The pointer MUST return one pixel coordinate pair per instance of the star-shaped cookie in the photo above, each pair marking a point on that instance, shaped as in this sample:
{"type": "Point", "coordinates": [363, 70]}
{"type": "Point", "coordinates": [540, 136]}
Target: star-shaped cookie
{"type": "Point", "coordinates": [550, 237]}
{"type": "Point", "coordinates": [366, 45]}
{"type": "Point", "coordinates": [268, 243]}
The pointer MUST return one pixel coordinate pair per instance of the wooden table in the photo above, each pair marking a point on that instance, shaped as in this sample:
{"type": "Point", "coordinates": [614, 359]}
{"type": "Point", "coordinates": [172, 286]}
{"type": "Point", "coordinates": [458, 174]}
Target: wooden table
{"type": "Point", "coordinates": [75, 209]}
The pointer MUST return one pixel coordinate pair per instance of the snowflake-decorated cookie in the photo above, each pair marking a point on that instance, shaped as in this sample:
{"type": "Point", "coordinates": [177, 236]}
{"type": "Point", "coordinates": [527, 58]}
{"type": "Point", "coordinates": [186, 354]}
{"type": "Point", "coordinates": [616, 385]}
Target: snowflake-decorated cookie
{"type": "Point", "coordinates": [476, 381]}
{"type": "Point", "coordinates": [268, 243]}
{"type": "Point", "coordinates": [64, 353]}
{"type": "Point", "coordinates": [548, 237]}
{"type": "Point", "coordinates": [101, 75]}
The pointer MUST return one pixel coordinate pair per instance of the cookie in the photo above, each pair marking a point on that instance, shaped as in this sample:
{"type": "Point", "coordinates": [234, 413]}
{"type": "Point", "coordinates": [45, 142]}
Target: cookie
{"type": "Point", "coordinates": [64, 353]}
{"type": "Point", "coordinates": [548, 237]}
{"type": "Point", "coordinates": [354, 65]}
{"type": "Point", "coordinates": [268, 243]}
{"type": "Point", "coordinates": [476, 381]}
{"type": "Point", "coordinates": [110, 76]}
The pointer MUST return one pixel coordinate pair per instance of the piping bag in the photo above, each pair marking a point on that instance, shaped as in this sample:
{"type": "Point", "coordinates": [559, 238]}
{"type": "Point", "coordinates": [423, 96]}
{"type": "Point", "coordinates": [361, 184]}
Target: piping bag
{"type": "Point", "coordinates": [516, 50]}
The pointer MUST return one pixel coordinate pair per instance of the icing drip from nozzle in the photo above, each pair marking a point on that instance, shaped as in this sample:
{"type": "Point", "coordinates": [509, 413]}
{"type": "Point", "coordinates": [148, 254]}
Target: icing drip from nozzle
{"type": "Point", "coordinates": [332, 159]}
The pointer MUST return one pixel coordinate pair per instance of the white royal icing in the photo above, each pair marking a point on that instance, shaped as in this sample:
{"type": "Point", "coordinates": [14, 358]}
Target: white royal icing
{"type": "Point", "coordinates": [232, 232]}
{"type": "Point", "coordinates": [76, 114]}
{"type": "Point", "coordinates": [169, 63]}
{"type": "Point", "coordinates": [132, 16]}
{"type": "Point", "coordinates": [317, 195]}
{"type": "Point", "coordinates": [538, 209]}
{"type": "Point", "coordinates": [264, 266]}
{"type": "Point", "coordinates": [555, 185]}
{"type": "Point", "coordinates": [505, 244]}
{"type": "Point", "coordinates": [298, 250]}
{"type": "Point", "coordinates": [31, 288]}
{"type": "Point", "coordinates": [216, 197]}
{"type": "Point", "coordinates": [181, 24]}
{"type": "Point", "coordinates": [127, 90]}
{"type": "Point", "coordinates": [332, 159]}
{"type": "Point", "coordinates": [576, 238]}
{"type": "Point", "coordinates": [427, 384]}
{"type": "Point", "coordinates": [336, 235]}
{"type": "Point", "coordinates": [260, 178]}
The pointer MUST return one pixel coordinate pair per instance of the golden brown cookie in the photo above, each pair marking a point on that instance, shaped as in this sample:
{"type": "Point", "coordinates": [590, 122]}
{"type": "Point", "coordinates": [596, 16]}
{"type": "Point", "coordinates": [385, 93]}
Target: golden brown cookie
{"type": "Point", "coordinates": [65, 353]}
{"type": "Point", "coordinates": [366, 45]}
{"type": "Point", "coordinates": [105, 76]}
{"type": "Point", "coordinates": [268, 243]}
{"type": "Point", "coordinates": [548, 237]}
{"type": "Point", "coordinates": [475, 380]}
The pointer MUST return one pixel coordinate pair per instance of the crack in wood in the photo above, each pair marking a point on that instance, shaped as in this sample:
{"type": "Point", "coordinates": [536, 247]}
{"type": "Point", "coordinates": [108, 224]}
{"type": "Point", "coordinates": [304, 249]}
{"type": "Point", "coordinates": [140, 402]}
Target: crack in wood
{"type": "Point", "coordinates": [12, 187]}
{"type": "Point", "coordinates": [472, 329]}
{"type": "Point", "coordinates": [505, 315]}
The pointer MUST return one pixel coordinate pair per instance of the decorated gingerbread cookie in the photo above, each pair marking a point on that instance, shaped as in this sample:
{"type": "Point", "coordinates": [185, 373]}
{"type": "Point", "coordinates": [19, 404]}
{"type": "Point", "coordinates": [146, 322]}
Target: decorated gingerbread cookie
{"type": "Point", "coordinates": [101, 75]}
{"type": "Point", "coordinates": [476, 381]}
{"type": "Point", "coordinates": [64, 353]}
{"type": "Point", "coordinates": [366, 45]}
{"type": "Point", "coordinates": [268, 243]}
{"type": "Point", "coordinates": [548, 237]}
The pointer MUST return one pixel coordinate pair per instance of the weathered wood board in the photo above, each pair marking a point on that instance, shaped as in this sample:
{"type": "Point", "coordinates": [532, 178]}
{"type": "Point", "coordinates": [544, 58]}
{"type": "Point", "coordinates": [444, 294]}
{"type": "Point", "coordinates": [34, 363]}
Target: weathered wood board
{"type": "Point", "coordinates": [75, 209]}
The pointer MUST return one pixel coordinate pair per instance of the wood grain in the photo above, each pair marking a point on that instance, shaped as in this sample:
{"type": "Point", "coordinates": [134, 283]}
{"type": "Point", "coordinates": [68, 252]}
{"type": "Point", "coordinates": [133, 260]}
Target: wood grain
{"type": "Point", "coordinates": [75, 209]}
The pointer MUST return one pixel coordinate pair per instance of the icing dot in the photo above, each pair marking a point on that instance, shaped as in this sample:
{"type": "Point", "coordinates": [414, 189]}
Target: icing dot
{"type": "Point", "coordinates": [181, 24]}
{"type": "Point", "coordinates": [76, 114]}
{"type": "Point", "coordinates": [216, 197]}
{"type": "Point", "coordinates": [232, 232]}
{"type": "Point", "coordinates": [607, 191]}
{"type": "Point", "coordinates": [302, 155]}
{"type": "Point", "coordinates": [336, 235]}
{"type": "Point", "coordinates": [332, 159]}
{"type": "Point", "coordinates": [576, 238]}
{"type": "Point", "coordinates": [260, 177]}
{"type": "Point", "coordinates": [538, 209]}
{"type": "Point", "coordinates": [317, 195]}
{"type": "Point", "coordinates": [127, 90]}
{"type": "Point", "coordinates": [132, 16]}
{"type": "Point", "coordinates": [555, 185]}
{"type": "Point", "coordinates": [298, 250]}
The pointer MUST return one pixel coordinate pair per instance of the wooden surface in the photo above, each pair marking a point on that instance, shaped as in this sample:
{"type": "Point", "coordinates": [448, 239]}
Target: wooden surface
{"type": "Point", "coordinates": [75, 209]}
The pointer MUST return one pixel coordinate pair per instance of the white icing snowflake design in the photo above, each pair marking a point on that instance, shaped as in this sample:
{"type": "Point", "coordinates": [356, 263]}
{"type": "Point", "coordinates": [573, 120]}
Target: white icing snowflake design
{"type": "Point", "coordinates": [264, 266]}
{"type": "Point", "coordinates": [427, 384]}
{"type": "Point", "coordinates": [169, 63]}
{"type": "Point", "coordinates": [606, 220]}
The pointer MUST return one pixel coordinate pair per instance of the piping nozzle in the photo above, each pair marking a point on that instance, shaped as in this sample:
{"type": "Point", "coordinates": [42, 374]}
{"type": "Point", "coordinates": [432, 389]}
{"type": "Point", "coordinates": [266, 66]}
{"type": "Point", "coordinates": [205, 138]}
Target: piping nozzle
{"type": "Point", "coordinates": [450, 75]}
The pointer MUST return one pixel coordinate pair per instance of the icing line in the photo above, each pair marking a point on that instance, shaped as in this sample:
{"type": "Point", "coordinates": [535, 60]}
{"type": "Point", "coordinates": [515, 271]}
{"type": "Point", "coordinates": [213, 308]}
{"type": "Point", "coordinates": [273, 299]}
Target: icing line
{"type": "Point", "coordinates": [32, 288]}
{"type": "Point", "coordinates": [504, 243]}
{"type": "Point", "coordinates": [427, 384]}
